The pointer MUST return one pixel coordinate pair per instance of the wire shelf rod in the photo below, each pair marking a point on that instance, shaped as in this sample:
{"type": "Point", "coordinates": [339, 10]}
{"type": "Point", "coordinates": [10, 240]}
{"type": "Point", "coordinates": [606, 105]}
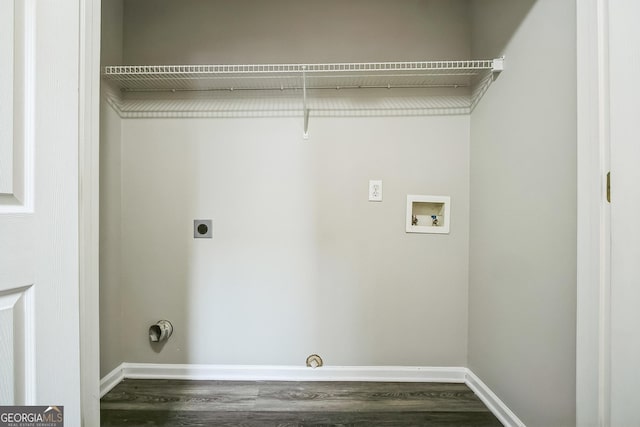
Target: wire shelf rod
{"type": "Point", "coordinates": [141, 77]}
{"type": "Point", "coordinates": [299, 88]}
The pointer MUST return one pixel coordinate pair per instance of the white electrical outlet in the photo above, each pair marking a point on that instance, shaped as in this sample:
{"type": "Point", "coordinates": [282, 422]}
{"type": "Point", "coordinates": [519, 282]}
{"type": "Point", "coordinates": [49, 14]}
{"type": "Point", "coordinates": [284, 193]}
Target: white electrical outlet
{"type": "Point", "coordinates": [375, 190]}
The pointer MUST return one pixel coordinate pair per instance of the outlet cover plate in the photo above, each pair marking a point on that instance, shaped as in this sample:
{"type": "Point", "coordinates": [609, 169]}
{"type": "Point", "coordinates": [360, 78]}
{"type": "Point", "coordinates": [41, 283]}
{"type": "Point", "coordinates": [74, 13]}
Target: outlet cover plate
{"type": "Point", "coordinates": [375, 190]}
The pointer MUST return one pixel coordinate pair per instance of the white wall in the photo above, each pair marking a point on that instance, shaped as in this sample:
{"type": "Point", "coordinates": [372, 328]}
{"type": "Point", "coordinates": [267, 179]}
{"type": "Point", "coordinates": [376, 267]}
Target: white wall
{"type": "Point", "coordinates": [293, 31]}
{"type": "Point", "coordinates": [522, 295]}
{"type": "Point", "coordinates": [110, 195]}
{"type": "Point", "coordinates": [300, 261]}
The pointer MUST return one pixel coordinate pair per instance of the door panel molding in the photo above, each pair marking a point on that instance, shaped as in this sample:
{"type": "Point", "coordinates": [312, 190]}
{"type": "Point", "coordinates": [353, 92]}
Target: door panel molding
{"type": "Point", "coordinates": [7, 47]}
{"type": "Point", "coordinates": [17, 115]}
{"type": "Point", "coordinates": [17, 345]}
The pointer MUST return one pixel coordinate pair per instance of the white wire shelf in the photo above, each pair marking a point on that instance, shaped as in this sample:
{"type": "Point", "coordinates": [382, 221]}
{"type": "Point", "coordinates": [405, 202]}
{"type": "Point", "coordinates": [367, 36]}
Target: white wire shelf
{"type": "Point", "coordinates": [291, 76]}
{"type": "Point", "coordinates": [267, 89]}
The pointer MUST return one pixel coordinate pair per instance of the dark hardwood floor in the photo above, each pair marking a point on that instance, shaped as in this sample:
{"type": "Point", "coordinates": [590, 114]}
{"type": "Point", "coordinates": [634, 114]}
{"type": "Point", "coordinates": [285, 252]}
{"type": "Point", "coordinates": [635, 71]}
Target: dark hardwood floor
{"type": "Point", "coordinates": [230, 403]}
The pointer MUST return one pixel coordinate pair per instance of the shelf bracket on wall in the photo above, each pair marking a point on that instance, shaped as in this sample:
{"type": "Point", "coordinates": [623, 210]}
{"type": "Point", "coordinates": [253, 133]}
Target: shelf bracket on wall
{"type": "Point", "coordinates": [305, 109]}
{"type": "Point", "coordinates": [497, 65]}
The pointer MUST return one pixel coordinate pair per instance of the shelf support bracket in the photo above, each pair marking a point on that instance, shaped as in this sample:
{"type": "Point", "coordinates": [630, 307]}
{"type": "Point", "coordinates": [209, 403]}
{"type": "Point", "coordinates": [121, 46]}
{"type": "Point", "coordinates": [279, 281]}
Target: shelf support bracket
{"type": "Point", "coordinates": [497, 66]}
{"type": "Point", "coordinates": [305, 135]}
{"type": "Point", "coordinates": [305, 109]}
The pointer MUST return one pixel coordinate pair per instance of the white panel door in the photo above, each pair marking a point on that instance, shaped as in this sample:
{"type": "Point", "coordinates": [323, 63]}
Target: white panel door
{"type": "Point", "coordinates": [624, 58]}
{"type": "Point", "coordinates": [39, 310]}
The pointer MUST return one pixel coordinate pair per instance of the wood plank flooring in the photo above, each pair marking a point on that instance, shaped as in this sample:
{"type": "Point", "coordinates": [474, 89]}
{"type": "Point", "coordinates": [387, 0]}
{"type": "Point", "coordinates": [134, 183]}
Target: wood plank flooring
{"type": "Point", "coordinates": [231, 403]}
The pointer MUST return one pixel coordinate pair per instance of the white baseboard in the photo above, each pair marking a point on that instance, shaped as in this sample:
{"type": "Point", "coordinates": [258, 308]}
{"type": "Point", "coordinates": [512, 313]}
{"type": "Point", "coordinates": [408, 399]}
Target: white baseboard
{"type": "Point", "coordinates": [325, 373]}
{"type": "Point", "coordinates": [281, 373]}
{"type": "Point", "coordinates": [493, 402]}
{"type": "Point", "coordinates": [111, 380]}
{"type": "Point", "coordinates": [294, 373]}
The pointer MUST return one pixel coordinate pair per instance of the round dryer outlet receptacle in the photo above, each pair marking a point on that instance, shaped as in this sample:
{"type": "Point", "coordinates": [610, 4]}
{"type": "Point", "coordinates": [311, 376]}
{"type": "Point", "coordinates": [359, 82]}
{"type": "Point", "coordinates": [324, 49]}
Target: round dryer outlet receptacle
{"type": "Point", "coordinates": [202, 229]}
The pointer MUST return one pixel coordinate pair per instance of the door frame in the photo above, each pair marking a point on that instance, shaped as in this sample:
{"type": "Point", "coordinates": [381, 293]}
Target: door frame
{"type": "Point", "coordinates": [89, 171]}
{"type": "Point", "coordinates": [593, 335]}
